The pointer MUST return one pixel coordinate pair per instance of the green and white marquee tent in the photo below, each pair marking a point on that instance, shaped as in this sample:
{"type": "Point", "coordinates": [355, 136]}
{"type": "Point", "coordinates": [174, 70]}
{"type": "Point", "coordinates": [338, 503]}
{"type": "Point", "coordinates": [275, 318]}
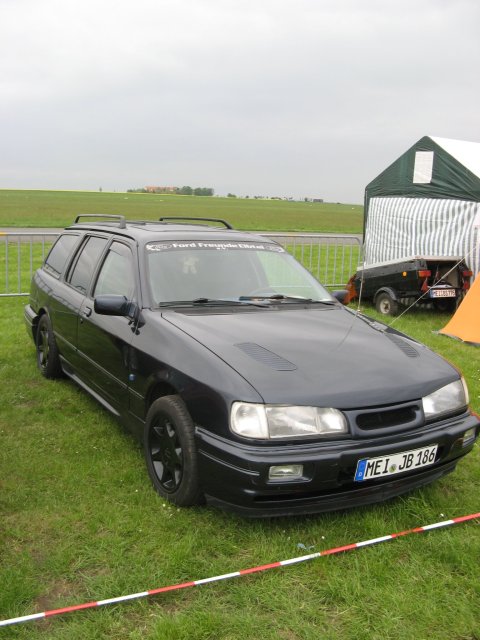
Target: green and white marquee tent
{"type": "Point", "coordinates": [427, 203]}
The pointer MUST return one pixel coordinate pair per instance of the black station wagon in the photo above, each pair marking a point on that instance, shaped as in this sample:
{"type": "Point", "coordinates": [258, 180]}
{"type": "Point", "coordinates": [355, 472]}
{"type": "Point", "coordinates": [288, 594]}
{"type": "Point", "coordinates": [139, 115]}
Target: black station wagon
{"type": "Point", "coordinates": [249, 384]}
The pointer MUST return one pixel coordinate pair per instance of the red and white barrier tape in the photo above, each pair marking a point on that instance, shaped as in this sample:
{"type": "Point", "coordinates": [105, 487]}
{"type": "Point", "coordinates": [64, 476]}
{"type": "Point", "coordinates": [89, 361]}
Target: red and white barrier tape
{"type": "Point", "coordinates": [236, 574]}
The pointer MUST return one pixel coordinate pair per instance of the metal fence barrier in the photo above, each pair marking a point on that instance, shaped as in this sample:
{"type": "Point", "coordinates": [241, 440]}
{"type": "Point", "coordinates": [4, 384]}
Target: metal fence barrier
{"type": "Point", "coordinates": [21, 254]}
{"type": "Point", "coordinates": [332, 259]}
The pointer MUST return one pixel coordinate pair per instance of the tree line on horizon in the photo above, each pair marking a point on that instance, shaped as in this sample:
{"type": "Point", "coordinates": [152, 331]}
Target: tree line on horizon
{"type": "Point", "coordinates": [180, 191]}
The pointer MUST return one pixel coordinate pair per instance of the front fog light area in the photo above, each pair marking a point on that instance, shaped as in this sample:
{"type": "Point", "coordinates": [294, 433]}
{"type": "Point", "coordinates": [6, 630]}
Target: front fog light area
{"type": "Point", "coordinates": [286, 472]}
{"type": "Point", "coordinates": [468, 437]}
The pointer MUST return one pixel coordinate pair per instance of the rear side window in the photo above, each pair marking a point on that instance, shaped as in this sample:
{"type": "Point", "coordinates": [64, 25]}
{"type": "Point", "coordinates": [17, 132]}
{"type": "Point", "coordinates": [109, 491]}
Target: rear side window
{"type": "Point", "coordinates": [59, 254]}
{"type": "Point", "coordinates": [82, 272]}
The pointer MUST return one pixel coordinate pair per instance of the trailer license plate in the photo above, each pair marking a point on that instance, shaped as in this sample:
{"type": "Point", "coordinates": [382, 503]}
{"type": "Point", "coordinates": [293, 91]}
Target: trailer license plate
{"type": "Point", "coordinates": [369, 468]}
{"type": "Point", "coordinates": [442, 293]}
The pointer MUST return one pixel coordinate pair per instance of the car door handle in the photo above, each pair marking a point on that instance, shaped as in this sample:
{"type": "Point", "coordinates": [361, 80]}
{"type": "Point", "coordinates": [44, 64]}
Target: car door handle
{"type": "Point", "coordinates": [87, 312]}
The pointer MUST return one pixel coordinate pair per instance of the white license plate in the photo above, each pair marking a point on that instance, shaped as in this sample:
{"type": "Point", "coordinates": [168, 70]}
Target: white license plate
{"type": "Point", "coordinates": [442, 293]}
{"type": "Point", "coordinates": [369, 468]}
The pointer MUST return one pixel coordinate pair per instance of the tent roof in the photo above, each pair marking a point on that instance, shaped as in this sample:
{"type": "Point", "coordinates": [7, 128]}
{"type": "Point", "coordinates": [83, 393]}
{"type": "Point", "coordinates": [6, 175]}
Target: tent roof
{"type": "Point", "coordinates": [447, 169]}
{"type": "Point", "coordinates": [467, 153]}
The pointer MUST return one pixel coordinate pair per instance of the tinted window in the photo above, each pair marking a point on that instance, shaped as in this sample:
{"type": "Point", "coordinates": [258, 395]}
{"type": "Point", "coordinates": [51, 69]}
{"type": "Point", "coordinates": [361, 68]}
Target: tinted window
{"type": "Point", "coordinates": [82, 272]}
{"type": "Point", "coordinates": [116, 274]}
{"type": "Point", "coordinates": [288, 276]}
{"type": "Point", "coordinates": [228, 270]}
{"type": "Point", "coordinates": [59, 254]}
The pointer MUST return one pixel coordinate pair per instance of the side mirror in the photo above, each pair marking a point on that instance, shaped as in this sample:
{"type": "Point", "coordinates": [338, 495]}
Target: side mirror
{"type": "Point", "coordinates": [112, 305]}
{"type": "Point", "coordinates": [341, 295]}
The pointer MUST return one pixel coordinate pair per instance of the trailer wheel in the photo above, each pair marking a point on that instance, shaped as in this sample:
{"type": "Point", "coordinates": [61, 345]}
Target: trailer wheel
{"type": "Point", "coordinates": [386, 305]}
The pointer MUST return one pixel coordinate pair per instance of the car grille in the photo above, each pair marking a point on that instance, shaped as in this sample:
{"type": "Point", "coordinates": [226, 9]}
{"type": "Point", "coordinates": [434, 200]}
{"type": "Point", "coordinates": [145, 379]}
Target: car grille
{"type": "Point", "coordinates": [386, 419]}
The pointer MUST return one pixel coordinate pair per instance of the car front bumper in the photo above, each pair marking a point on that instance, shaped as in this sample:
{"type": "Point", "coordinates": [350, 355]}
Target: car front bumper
{"type": "Point", "coordinates": [235, 476]}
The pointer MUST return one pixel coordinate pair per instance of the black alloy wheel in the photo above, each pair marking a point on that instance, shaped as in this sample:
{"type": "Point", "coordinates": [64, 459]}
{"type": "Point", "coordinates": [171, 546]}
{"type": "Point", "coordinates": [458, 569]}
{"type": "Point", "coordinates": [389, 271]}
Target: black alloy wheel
{"type": "Point", "coordinates": [170, 452]}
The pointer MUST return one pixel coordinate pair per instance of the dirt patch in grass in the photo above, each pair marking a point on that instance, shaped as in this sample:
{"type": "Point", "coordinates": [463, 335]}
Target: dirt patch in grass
{"type": "Point", "coordinates": [61, 593]}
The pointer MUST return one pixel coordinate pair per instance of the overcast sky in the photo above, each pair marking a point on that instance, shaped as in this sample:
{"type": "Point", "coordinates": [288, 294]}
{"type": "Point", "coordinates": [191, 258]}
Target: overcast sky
{"type": "Point", "coordinates": [254, 97]}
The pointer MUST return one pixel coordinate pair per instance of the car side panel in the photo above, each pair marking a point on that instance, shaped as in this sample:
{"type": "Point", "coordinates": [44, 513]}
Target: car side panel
{"type": "Point", "coordinates": [62, 303]}
{"type": "Point", "coordinates": [104, 354]}
{"type": "Point", "coordinates": [164, 358]}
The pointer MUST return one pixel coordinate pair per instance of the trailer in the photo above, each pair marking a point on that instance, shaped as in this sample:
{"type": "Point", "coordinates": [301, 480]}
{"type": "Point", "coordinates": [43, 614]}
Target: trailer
{"type": "Point", "coordinates": [440, 283]}
{"type": "Point", "coordinates": [421, 240]}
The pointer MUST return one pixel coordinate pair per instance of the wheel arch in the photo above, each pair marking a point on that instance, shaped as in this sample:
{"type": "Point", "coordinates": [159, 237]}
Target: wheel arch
{"type": "Point", "coordinates": [36, 320]}
{"type": "Point", "coordinates": [158, 389]}
{"type": "Point", "coordinates": [391, 292]}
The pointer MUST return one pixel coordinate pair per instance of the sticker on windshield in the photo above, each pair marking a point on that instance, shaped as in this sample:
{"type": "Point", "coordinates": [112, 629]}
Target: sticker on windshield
{"type": "Point", "coordinates": [218, 246]}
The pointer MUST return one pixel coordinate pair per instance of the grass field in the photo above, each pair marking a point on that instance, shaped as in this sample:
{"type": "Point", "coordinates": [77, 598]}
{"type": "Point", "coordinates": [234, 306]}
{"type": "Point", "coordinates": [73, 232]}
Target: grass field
{"type": "Point", "coordinates": [80, 522]}
{"type": "Point", "coordinates": [54, 209]}
{"type": "Point", "coordinates": [59, 208]}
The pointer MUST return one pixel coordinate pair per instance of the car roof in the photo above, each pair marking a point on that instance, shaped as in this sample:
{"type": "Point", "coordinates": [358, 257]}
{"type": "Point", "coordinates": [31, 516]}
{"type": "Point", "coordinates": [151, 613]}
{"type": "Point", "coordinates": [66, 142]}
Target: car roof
{"type": "Point", "coordinates": [144, 231]}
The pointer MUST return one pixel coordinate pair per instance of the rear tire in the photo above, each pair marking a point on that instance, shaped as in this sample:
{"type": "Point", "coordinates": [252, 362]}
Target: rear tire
{"type": "Point", "coordinates": [170, 452]}
{"type": "Point", "coordinates": [386, 305]}
{"type": "Point", "coordinates": [48, 358]}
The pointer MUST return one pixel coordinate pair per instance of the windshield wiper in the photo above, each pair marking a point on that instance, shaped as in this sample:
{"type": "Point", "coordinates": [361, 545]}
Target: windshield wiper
{"type": "Point", "coordinates": [222, 301]}
{"type": "Point", "coordinates": [211, 301]}
{"type": "Point", "coordinates": [254, 301]}
{"type": "Point", "coordinates": [283, 297]}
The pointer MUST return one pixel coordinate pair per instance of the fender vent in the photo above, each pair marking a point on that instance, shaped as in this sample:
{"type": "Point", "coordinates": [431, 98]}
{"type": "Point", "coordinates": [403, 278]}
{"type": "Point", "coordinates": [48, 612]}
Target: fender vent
{"type": "Point", "coordinates": [260, 354]}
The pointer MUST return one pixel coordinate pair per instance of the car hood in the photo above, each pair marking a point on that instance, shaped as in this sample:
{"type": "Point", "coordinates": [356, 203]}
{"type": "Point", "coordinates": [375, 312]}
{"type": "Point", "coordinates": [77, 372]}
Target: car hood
{"type": "Point", "coordinates": [323, 356]}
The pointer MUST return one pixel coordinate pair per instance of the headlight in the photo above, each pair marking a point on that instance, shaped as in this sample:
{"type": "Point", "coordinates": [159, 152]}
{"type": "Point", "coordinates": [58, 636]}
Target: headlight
{"type": "Point", "coordinates": [276, 421]}
{"type": "Point", "coordinates": [448, 399]}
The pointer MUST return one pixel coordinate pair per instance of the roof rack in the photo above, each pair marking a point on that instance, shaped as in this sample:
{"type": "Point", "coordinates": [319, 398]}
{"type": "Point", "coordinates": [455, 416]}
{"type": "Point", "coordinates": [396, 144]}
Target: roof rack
{"type": "Point", "coordinates": [224, 222]}
{"type": "Point", "coordinates": [121, 219]}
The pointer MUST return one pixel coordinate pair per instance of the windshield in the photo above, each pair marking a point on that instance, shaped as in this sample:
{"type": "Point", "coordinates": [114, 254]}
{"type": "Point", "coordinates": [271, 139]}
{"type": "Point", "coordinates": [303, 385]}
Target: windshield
{"type": "Point", "coordinates": [197, 271]}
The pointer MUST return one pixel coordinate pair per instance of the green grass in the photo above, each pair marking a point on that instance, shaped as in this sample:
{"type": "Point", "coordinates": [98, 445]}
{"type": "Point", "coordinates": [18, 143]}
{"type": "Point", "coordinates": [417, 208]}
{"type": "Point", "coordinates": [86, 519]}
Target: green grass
{"type": "Point", "coordinates": [80, 522]}
{"type": "Point", "coordinates": [59, 209]}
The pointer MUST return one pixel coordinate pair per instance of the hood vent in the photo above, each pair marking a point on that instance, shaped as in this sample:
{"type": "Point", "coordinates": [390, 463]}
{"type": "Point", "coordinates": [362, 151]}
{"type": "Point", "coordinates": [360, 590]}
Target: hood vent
{"type": "Point", "coordinates": [260, 354]}
{"type": "Point", "coordinates": [402, 344]}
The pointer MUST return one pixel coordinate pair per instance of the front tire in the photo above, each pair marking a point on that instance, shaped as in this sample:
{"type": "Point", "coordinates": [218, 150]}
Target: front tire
{"type": "Point", "coordinates": [170, 452]}
{"type": "Point", "coordinates": [48, 358]}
